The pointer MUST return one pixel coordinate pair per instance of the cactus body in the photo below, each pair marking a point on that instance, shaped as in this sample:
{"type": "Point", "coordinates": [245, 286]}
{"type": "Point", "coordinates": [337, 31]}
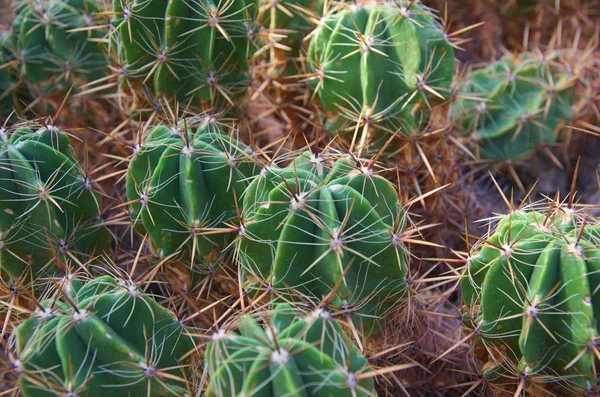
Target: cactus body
{"type": "Point", "coordinates": [48, 212]}
{"type": "Point", "coordinates": [295, 355]}
{"type": "Point", "coordinates": [531, 291]}
{"type": "Point", "coordinates": [195, 51]}
{"type": "Point", "coordinates": [376, 60]}
{"type": "Point", "coordinates": [55, 40]}
{"type": "Point", "coordinates": [185, 184]}
{"type": "Point", "coordinates": [111, 338]}
{"type": "Point", "coordinates": [8, 81]}
{"type": "Point", "coordinates": [320, 225]}
{"type": "Point", "coordinates": [525, 101]}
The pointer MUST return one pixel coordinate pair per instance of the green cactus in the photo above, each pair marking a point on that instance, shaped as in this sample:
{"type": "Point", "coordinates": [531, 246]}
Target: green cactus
{"type": "Point", "coordinates": [326, 228]}
{"type": "Point", "coordinates": [104, 336]}
{"type": "Point", "coordinates": [299, 355]}
{"type": "Point", "coordinates": [380, 65]}
{"type": "Point", "coordinates": [184, 187]}
{"type": "Point", "coordinates": [59, 44]}
{"type": "Point", "coordinates": [525, 101]}
{"type": "Point", "coordinates": [49, 214]}
{"type": "Point", "coordinates": [197, 52]}
{"type": "Point", "coordinates": [8, 80]}
{"type": "Point", "coordinates": [289, 21]}
{"type": "Point", "coordinates": [531, 295]}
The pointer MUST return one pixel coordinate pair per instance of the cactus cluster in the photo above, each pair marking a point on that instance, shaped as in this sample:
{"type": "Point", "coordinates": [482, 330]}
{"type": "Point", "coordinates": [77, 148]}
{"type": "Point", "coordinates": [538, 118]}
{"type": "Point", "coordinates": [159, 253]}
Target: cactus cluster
{"type": "Point", "coordinates": [103, 336]}
{"type": "Point", "coordinates": [531, 296]}
{"type": "Point", "coordinates": [273, 197]}
{"type": "Point", "coordinates": [50, 215]}
{"type": "Point", "coordinates": [293, 354]}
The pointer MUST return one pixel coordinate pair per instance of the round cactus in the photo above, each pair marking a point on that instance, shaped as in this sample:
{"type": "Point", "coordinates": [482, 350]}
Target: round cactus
{"type": "Point", "coordinates": [49, 214]}
{"type": "Point", "coordinates": [379, 63]}
{"type": "Point", "coordinates": [184, 184]}
{"type": "Point", "coordinates": [525, 100]}
{"type": "Point", "coordinates": [197, 52]}
{"type": "Point", "coordinates": [59, 43]}
{"type": "Point", "coordinates": [531, 297]}
{"type": "Point", "coordinates": [306, 355]}
{"type": "Point", "coordinates": [105, 336]}
{"type": "Point", "coordinates": [325, 229]}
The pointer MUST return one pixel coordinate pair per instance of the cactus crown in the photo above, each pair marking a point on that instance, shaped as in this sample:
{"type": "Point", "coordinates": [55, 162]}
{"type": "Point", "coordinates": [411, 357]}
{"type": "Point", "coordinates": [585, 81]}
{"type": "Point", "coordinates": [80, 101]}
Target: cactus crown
{"type": "Point", "coordinates": [531, 292]}
{"type": "Point", "coordinates": [327, 227]}
{"type": "Point", "coordinates": [293, 355]}
{"type": "Point", "coordinates": [100, 336]}
{"type": "Point", "coordinates": [49, 212]}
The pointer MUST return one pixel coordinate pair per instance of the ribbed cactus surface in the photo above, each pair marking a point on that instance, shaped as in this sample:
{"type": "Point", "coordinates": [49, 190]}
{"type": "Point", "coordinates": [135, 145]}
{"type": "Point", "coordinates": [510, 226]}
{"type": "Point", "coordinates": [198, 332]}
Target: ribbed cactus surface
{"type": "Point", "coordinates": [184, 185]}
{"type": "Point", "coordinates": [523, 102]}
{"type": "Point", "coordinates": [49, 213]}
{"type": "Point", "coordinates": [102, 337]}
{"type": "Point", "coordinates": [59, 43]}
{"type": "Point", "coordinates": [531, 294]}
{"type": "Point", "coordinates": [293, 355]}
{"type": "Point", "coordinates": [325, 227]}
{"type": "Point", "coordinates": [197, 52]}
{"type": "Point", "coordinates": [379, 62]}
{"type": "Point", "coordinates": [8, 79]}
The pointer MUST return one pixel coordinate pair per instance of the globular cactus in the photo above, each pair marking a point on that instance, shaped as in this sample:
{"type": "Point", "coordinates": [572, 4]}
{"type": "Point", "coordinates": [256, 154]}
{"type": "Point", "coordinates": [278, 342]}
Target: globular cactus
{"type": "Point", "coordinates": [184, 183]}
{"type": "Point", "coordinates": [379, 65]}
{"type": "Point", "coordinates": [49, 214]}
{"type": "Point", "coordinates": [197, 52]}
{"type": "Point", "coordinates": [306, 355]}
{"type": "Point", "coordinates": [104, 336]}
{"type": "Point", "coordinates": [522, 103]}
{"type": "Point", "coordinates": [326, 228]}
{"type": "Point", "coordinates": [58, 43]}
{"type": "Point", "coordinates": [532, 303]}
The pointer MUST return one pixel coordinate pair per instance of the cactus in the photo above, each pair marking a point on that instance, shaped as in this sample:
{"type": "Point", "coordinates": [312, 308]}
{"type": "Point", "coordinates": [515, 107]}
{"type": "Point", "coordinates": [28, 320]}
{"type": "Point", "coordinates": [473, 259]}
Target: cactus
{"type": "Point", "coordinates": [183, 184]}
{"type": "Point", "coordinates": [287, 23]}
{"type": "Point", "coordinates": [380, 64]}
{"type": "Point", "coordinates": [327, 229]}
{"type": "Point", "coordinates": [531, 297]}
{"type": "Point", "coordinates": [49, 214]}
{"type": "Point", "coordinates": [197, 52]}
{"type": "Point", "coordinates": [104, 336]}
{"type": "Point", "coordinates": [525, 100]}
{"type": "Point", "coordinates": [58, 42]}
{"type": "Point", "coordinates": [8, 81]}
{"type": "Point", "coordinates": [306, 355]}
